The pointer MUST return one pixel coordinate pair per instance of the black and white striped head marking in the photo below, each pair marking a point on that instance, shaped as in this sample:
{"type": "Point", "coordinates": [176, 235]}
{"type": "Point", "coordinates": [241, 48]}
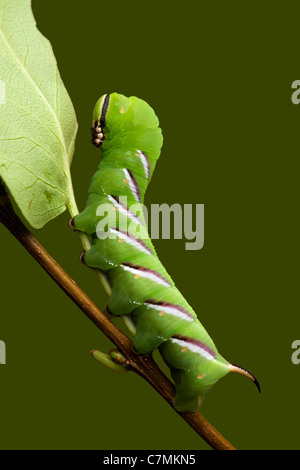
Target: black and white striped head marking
{"type": "Point", "coordinates": [98, 125]}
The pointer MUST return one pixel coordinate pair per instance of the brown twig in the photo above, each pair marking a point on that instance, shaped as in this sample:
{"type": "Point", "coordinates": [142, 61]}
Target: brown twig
{"type": "Point", "coordinates": [145, 366]}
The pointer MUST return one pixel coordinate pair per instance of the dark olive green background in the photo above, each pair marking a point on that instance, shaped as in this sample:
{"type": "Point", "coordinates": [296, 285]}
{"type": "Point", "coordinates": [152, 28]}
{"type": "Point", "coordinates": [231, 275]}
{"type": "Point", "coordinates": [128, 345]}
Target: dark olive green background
{"type": "Point", "coordinates": [218, 75]}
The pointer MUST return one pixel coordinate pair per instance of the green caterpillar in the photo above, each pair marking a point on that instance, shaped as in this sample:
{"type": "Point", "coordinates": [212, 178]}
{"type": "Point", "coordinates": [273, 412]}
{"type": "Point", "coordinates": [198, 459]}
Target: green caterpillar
{"type": "Point", "coordinates": [128, 134]}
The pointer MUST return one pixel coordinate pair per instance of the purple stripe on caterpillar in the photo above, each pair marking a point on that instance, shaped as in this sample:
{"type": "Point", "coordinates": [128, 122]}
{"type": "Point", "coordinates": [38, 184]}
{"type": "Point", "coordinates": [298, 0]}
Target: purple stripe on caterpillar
{"type": "Point", "coordinates": [139, 271]}
{"type": "Point", "coordinates": [145, 162]}
{"type": "Point", "coordinates": [128, 238]}
{"type": "Point", "coordinates": [194, 345]}
{"type": "Point", "coordinates": [122, 208]}
{"type": "Point", "coordinates": [172, 309]}
{"type": "Point", "coordinates": [130, 179]}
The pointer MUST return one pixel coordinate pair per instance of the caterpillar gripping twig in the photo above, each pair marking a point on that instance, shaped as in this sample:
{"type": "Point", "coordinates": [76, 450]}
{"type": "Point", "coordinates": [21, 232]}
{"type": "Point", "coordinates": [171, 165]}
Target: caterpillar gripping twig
{"type": "Point", "coordinates": [126, 130]}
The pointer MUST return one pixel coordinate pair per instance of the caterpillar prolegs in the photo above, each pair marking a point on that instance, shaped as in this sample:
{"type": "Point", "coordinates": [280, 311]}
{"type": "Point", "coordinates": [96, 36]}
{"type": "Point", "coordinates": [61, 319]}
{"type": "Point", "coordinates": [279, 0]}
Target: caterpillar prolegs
{"type": "Point", "coordinates": [127, 132]}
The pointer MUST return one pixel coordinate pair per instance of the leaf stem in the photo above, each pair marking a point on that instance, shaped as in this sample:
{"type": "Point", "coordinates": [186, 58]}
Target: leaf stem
{"type": "Point", "coordinates": [144, 366]}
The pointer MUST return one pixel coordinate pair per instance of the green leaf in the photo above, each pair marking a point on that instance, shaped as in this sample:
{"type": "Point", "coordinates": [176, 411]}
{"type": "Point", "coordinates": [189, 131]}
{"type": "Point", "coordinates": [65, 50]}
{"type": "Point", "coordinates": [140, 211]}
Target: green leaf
{"type": "Point", "coordinates": [37, 120]}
